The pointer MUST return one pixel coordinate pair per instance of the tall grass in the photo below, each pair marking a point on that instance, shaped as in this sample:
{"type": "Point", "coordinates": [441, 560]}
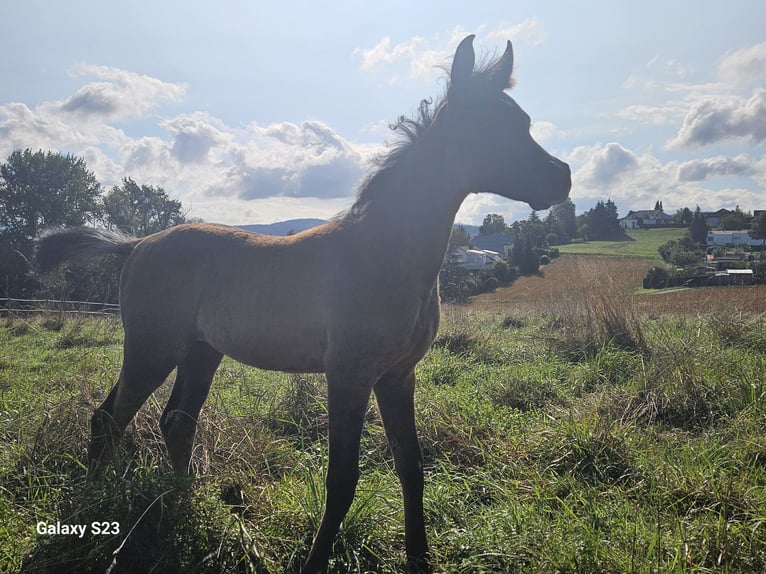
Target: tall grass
{"type": "Point", "coordinates": [595, 438]}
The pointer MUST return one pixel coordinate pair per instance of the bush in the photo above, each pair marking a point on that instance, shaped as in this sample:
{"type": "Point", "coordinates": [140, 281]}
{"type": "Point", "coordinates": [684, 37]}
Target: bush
{"type": "Point", "coordinates": [682, 252]}
{"type": "Point", "coordinates": [656, 278]}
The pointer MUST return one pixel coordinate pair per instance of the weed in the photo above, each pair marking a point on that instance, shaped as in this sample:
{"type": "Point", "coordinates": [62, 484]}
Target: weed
{"type": "Point", "coordinates": [550, 445]}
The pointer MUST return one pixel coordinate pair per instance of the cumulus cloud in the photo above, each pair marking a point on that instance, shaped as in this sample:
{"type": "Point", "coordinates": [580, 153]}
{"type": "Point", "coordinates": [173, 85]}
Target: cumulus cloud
{"type": "Point", "coordinates": [424, 56]}
{"type": "Point", "coordinates": [121, 95]}
{"type": "Point", "coordinates": [746, 66]}
{"type": "Point", "coordinates": [285, 159]}
{"type": "Point", "coordinates": [719, 166]}
{"type": "Point", "coordinates": [636, 180]}
{"type": "Point", "coordinates": [194, 135]}
{"type": "Point", "coordinates": [198, 158]}
{"type": "Point", "coordinates": [723, 118]}
{"type": "Point", "coordinates": [608, 164]}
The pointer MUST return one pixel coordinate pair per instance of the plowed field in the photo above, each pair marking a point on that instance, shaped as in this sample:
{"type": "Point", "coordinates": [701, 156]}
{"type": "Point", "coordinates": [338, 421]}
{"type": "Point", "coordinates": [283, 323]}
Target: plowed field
{"type": "Point", "coordinates": [579, 277]}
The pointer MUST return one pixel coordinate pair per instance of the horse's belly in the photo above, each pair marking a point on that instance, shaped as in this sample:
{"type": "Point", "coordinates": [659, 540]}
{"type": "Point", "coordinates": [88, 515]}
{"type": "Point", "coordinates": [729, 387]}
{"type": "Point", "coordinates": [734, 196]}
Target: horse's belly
{"type": "Point", "coordinates": [290, 349]}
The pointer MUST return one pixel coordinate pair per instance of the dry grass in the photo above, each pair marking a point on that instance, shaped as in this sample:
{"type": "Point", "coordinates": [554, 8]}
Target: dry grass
{"type": "Point", "coordinates": [578, 278]}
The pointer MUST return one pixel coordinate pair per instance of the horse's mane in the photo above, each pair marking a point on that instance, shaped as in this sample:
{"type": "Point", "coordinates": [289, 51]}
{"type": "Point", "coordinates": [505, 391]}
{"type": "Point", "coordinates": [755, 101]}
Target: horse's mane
{"type": "Point", "coordinates": [407, 132]}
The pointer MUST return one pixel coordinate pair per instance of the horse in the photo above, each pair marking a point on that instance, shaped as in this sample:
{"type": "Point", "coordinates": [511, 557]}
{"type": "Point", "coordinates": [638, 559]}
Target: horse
{"type": "Point", "coordinates": [356, 298]}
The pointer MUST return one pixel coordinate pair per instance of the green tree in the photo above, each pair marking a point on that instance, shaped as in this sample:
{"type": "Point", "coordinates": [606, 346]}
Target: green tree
{"type": "Point", "coordinates": [758, 228]}
{"type": "Point", "coordinates": [39, 190]}
{"type": "Point", "coordinates": [493, 223]}
{"type": "Point", "coordinates": [458, 238]}
{"type": "Point", "coordinates": [562, 221]}
{"type": "Point", "coordinates": [684, 216]}
{"type": "Point", "coordinates": [141, 210]}
{"type": "Point", "coordinates": [682, 252]}
{"type": "Point", "coordinates": [736, 220]}
{"type": "Point", "coordinates": [528, 237]}
{"type": "Point", "coordinates": [602, 221]}
{"type": "Point", "coordinates": [698, 228]}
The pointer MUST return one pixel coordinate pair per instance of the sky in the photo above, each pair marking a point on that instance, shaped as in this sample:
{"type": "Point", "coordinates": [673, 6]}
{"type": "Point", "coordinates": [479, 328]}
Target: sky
{"type": "Point", "coordinates": [256, 112]}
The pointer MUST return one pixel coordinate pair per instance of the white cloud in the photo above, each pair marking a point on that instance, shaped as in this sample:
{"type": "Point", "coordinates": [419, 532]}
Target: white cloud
{"type": "Point", "coordinates": [476, 206]}
{"type": "Point", "coordinates": [122, 95]}
{"type": "Point", "coordinates": [424, 56]}
{"type": "Point", "coordinates": [530, 31]}
{"type": "Point", "coordinates": [194, 136]}
{"type": "Point", "coordinates": [637, 180]}
{"type": "Point", "coordinates": [746, 66]}
{"type": "Point", "coordinates": [719, 166]}
{"type": "Point", "coordinates": [384, 53]}
{"type": "Point", "coordinates": [717, 119]}
{"type": "Point", "coordinates": [607, 165]}
{"type": "Point", "coordinates": [198, 159]}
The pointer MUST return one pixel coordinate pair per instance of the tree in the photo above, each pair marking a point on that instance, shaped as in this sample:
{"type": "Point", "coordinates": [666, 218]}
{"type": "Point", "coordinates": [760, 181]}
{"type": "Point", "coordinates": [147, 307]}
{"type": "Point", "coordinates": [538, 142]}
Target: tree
{"type": "Point", "coordinates": [493, 223]}
{"type": "Point", "coordinates": [758, 228]}
{"type": "Point", "coordinates": [141, 210]}
{"type": "Point", "coordinates": [528, 237]}
{"type": "Point", "coordinates": [458, 238]}
{"type": "Point", "coordinates": [684, 216]}
{"type": "Point", "coordinates": [39, 190]}
{"type": "Point", "coordinates": [735, 220]}
{"type": "Point", "coordinates": [562, 221]}
{"type": "Point", "coordinates": [682, 252]}
{"type": "Point", "coordinates": [602, 221]}
{"type": "Point", "coordinates": [698, 228]}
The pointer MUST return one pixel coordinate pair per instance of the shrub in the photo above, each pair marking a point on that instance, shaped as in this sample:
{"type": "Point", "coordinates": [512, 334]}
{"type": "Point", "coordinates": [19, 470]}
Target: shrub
{"type": "Point", "coordinates": [656, 278]}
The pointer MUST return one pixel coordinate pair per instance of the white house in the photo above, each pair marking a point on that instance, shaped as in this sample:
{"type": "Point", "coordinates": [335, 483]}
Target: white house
{"type": "Point", "coordinates": [645, 218]}
{"type": "Point", "coordinates": [475, 258]}
{"type": "Point", "coordinates": [731, 239]}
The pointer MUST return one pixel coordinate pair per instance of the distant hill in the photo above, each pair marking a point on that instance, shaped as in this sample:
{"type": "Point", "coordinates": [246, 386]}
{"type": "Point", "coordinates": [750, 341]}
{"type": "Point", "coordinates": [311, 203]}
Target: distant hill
{"type": "Point", "coordinates": [283, 227]}
{"type": "Point", "coordinates": [298, 225]}
{"type": "Point", "coordinates": [472, 230]}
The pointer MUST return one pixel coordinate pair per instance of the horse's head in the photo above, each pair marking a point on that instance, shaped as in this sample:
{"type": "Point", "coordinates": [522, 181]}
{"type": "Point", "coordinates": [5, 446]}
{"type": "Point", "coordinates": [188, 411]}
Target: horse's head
{"type": "Point", "coordinates": [491, 133]}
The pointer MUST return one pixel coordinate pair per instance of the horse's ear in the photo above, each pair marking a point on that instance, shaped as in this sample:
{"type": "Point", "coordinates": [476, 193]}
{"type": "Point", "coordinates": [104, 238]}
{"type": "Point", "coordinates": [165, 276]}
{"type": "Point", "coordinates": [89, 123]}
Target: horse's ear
{"type": "Point", "coordinates": [503, 69]}
{"type": "Point", "coordinates": [462, 64]}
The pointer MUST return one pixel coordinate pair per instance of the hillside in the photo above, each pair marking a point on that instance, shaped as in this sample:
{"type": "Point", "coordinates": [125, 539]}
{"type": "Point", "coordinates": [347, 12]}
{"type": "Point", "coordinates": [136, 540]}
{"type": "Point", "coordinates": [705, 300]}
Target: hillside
{"type": "Point", "coordinates": [586, 276]}
{"type": "Point", "coordinates": [639, 243]}
{"type": "Point", "coordinates": [283, 227]}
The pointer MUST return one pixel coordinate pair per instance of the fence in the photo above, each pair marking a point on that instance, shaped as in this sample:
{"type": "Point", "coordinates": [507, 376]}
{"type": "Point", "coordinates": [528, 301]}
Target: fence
{"type": "Point", "coordinates": [10, 306]}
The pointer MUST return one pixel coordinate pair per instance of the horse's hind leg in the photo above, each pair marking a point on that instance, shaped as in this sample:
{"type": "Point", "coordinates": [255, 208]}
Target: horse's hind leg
{"type": "Point", "coordinates": [179, 420]}
{"type": "Point", "coordinates": [140, 376]}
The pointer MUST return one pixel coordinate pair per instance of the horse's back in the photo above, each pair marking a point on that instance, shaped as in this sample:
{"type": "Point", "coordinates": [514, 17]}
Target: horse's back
{"type": "Point", "coordinates": [256, 298]}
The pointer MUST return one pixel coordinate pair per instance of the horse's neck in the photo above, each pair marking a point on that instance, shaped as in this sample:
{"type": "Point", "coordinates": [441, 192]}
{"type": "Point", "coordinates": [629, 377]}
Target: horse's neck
{"type": "Point", "coordinates": [414, 218]}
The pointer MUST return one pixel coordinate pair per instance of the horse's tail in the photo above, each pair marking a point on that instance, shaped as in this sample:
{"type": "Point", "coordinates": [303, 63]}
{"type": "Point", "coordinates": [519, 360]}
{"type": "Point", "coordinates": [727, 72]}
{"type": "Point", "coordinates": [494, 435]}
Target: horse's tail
{"type": "Point", "coordinates": [59, 246]}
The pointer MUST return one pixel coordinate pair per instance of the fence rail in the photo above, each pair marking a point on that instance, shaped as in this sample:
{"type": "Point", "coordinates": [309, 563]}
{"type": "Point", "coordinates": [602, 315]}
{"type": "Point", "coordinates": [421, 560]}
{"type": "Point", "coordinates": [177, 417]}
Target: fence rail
{"type": "Point", "coordinates": [10, 305]}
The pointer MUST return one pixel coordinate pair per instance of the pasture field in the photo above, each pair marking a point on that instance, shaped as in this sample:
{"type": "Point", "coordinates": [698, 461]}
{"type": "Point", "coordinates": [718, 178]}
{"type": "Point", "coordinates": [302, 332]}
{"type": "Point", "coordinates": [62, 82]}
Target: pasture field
{"type": "Point", "coordinates": [639, 243]}
{"type": "Point", "coordinates": [579, 434]}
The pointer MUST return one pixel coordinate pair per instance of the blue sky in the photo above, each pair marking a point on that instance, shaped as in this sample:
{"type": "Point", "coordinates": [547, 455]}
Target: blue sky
{"type": "Point", "coordinates": [254, 112]}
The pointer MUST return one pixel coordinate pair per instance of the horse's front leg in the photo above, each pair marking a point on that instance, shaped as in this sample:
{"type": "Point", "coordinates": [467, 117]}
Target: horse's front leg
{"type": "Point", "coordinates": [348, 396]}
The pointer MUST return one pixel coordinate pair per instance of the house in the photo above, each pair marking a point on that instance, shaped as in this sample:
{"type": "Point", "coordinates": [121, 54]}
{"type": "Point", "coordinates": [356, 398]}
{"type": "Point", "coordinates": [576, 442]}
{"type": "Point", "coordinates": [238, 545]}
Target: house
{"type": "Point", "coordinates": [646, 218]}
{"type": "Point", "coordinates": [497, 242]}
{"type": "Point", "coordinates": [738, 238]}
{"type": "Point", "coordinates": [475, 259]}
{"type": "Point", "coordinates": [713, 218]}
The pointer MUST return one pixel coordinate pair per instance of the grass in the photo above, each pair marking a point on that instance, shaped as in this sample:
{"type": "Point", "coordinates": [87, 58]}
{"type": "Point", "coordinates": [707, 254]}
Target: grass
{"type": "Point", "coordinates": [639, 243]}
{"type": "Point", "coordinates": [591, 436]}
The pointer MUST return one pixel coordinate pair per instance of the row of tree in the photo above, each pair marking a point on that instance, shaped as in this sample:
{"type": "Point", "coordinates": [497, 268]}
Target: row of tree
{"type": "Point", "coordinates": [561, 225]}
{"type": "Point", "coordinates": [690, 249]}
{"type": "Point", "coordinates": [44, 190]}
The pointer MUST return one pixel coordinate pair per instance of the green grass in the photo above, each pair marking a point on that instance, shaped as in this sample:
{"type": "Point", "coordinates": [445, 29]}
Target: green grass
{"type": "Point", "coordinates": [578, 441]}
{"type": "Point", "coordinates": [641, 243]}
